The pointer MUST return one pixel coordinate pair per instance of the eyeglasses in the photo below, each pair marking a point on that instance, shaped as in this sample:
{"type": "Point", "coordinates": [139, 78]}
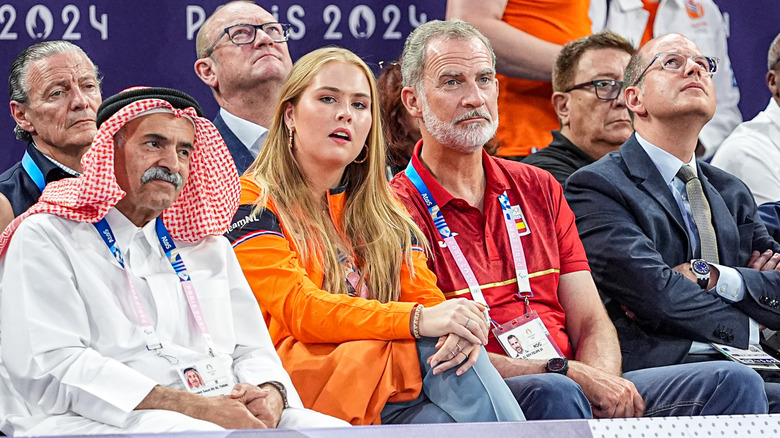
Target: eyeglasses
{"type": "Point", "coordinates": [677, 62]}
{"type": "Point", "coordinates": [241, 34]}
{"type": "Point", "coordinates": [606, 89]}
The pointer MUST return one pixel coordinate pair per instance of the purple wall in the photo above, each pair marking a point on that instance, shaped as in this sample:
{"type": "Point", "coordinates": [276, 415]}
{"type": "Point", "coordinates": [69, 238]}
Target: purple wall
{"type": "Point", "coordinates": [150, 42]}
{"type": "Point", "coordinates": [754, 24]}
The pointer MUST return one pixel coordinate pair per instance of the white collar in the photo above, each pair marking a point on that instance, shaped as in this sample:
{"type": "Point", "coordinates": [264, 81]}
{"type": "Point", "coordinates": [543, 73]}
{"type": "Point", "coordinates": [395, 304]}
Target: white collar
{"type": "Point", "coordinates": [667, 164]}
{"type": "Point", "coordinates": [125, 231]}
{"type": "Point", "coordinates": [246, 131]}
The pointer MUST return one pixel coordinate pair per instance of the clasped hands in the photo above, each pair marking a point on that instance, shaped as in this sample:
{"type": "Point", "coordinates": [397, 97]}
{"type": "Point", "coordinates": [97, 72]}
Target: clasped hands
{"type": "Point", "coordinates": [247, 407]}
{"type": "Point", "coordinates": [462, 330]}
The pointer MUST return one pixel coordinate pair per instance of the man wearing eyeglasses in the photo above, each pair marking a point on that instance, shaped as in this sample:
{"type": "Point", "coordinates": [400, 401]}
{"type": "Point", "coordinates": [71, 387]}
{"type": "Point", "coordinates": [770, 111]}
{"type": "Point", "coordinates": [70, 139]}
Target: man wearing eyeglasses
{"type": "Point", "coordinates": [675, 244]}
{"type": "Point", "coordinates": [502, 234]}
{"type": "Point", "coordinates": [243, 56]}
{"type": "Point", "coordinates": [590, 106]}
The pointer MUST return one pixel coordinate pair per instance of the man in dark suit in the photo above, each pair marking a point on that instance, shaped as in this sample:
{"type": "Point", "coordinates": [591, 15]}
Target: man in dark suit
{"type": "Point", "coordinates": [243, 57]}
{"type": "Point", "coordinates": [682, 265]}
{"type": "Point", "coordinates": [55, 93]}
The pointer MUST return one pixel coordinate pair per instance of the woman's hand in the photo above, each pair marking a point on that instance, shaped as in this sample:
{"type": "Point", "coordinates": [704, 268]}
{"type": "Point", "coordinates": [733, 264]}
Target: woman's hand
{"type": "Point", "coordinates": [454, 350]}
{"type": "Point", "coordinates": [459, 316]}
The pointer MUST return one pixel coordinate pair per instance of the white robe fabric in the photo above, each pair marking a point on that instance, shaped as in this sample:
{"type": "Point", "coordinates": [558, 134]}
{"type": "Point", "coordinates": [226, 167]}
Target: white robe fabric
{"type": "Point", "coordinates": [72, 346]}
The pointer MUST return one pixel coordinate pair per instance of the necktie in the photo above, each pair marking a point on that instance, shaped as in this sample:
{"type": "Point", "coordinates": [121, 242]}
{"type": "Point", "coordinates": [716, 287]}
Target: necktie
{"type": "Point", "coordinates": [702, 216]}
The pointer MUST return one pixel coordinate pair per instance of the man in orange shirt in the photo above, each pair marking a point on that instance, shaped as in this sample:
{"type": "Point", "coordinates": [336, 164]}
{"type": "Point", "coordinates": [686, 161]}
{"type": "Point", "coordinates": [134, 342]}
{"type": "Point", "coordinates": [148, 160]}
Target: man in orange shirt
{"type": "Point", "coordinates": [527, 36]}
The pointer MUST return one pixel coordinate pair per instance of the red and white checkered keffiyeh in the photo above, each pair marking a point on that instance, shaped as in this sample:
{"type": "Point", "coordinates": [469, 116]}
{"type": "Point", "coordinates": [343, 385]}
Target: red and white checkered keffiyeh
{"type": "Point", "coordinates": [205, 206]}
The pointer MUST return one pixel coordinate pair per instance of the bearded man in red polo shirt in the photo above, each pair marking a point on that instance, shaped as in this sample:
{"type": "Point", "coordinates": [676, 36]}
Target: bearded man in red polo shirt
{"type": "Point", "coordinates": [502, 234]}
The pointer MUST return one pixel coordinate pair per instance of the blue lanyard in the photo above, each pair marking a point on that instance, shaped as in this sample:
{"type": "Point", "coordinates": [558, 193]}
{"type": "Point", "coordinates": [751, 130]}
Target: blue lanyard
{"type": "Point", "coordinates": [33, 171]}
{"type": "Point", "coordinates": [181, 271]}
{"type": "Point", "coordinates": [521, 269]}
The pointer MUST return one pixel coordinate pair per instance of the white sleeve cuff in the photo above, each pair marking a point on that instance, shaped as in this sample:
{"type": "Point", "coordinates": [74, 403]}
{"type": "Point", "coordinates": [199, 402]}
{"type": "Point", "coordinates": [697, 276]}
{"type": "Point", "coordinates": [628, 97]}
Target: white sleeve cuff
{"type": "Point", "coordinates": [730, 286]}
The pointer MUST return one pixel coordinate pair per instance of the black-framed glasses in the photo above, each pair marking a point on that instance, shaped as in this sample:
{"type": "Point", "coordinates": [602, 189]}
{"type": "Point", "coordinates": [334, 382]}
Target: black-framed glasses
{"type": "Point", "coordinates": [241, 34]}
{"type": "Point", "coordinates": [676, 62]}
{"type": "Point", "coordinates": [606, 89]}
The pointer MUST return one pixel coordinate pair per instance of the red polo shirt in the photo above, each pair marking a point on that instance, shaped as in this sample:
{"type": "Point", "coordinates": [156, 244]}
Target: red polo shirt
{"type": "Point", "coordinates": [552, 248]}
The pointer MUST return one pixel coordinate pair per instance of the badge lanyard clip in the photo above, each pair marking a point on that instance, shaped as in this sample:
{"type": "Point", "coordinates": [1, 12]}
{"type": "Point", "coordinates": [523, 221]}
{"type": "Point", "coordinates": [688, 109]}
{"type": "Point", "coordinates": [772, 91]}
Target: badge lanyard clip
{"type": "Point", "coordinates": [526, 302]}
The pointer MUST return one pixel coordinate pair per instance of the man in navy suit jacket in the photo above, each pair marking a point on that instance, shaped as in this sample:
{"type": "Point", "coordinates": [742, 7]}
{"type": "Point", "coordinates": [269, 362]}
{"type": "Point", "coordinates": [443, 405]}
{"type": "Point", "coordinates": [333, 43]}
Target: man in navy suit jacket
{"type": "Point", "coordinates": [634, 218]}
{"type": "Point", "coordinates": [245, 77]}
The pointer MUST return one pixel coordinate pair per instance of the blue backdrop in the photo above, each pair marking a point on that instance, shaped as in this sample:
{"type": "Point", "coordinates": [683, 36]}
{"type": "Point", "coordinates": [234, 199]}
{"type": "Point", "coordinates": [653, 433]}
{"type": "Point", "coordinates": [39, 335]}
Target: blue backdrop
{"type": "Point", "coordinates": [151, 42]}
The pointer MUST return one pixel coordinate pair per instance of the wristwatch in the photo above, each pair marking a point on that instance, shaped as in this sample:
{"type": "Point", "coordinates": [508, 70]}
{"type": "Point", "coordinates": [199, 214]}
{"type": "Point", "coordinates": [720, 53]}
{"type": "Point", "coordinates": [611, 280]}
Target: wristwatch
{"type": "Point", "coordinates": [701, 270]}
{"type": "Point", "coordinates": [558, 365]}
{"type": "Point", "coordinates": [282, 390]}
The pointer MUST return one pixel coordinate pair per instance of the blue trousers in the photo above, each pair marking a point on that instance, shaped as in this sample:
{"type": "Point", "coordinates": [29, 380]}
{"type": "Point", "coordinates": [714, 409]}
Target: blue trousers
{"type": "Point", "coordinates": [709, 388]}
{"type": "Point", "coordinates": [479, 395]}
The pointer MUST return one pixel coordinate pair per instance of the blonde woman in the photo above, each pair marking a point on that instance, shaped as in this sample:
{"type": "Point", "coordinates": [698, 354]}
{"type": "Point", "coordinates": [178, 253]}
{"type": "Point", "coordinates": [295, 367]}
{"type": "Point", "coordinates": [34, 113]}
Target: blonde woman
{"type": "Point", "coordinates": [339, 269]}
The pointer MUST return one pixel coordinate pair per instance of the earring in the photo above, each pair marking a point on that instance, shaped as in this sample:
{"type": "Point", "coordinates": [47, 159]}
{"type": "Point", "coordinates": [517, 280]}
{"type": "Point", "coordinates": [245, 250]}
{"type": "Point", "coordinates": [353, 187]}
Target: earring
{"type": "Point", "coordinates": [290, 138]}
{"type": "Point", "coordinates": [356, 161]}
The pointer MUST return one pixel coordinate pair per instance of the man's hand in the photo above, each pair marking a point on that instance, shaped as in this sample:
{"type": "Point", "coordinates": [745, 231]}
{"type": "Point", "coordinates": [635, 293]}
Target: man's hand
{"type": "Point", "coordinates": [264, 402]}
{"type": "Point", "coordinates": [610, 396]}
{"type": "Point", "coordinates": [685, 270]}
{"type": "Point", "coordinates": [766, 261]}
{"type": "Point", "coordinates": [227, 412]}
{"type": "Point", "coordinates": [222, 411]}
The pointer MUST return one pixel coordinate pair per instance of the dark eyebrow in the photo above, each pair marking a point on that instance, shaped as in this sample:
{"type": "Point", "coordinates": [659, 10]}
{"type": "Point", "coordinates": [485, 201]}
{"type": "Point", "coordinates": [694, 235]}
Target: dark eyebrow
{"type": "Point", "coordinates": [156, 137]}
{"type": "Point", "coordinates": [163, 139]}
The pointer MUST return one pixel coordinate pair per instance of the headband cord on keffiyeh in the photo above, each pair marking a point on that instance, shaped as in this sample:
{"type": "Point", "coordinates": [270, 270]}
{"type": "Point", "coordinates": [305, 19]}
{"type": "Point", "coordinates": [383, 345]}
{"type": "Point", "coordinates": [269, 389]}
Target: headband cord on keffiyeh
{"type": "Point", "coordinates": [205, 206]}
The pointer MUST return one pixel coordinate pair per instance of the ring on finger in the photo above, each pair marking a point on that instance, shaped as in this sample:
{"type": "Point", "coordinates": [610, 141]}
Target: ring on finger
{"type": "Point", "coordinates": [468, 321]}
{"type": "Point", "coordinates": [458, 349]}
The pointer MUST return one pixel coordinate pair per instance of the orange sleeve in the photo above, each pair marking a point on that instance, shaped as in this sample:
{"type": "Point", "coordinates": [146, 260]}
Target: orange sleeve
{"type": "Point", "coordinates": [286, 291]}
{"type": "Point", "coordinates": [422, 288]}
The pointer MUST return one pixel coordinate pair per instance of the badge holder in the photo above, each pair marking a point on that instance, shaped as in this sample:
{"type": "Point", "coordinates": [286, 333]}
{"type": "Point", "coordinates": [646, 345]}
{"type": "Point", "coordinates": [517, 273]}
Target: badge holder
{"type": "Point", "coordinates": [526, 336]}
{"type": "Point", "coordinates": [207, 378]}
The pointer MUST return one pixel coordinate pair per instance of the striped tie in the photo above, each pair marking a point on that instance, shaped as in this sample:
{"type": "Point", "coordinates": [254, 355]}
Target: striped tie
{"type": "Point", "coordinates": [702, 216]}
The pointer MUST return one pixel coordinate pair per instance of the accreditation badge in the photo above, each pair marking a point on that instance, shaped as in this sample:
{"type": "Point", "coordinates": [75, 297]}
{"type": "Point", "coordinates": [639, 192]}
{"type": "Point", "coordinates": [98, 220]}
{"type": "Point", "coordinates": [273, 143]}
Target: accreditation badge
{"type": "Point", "coordinates": [207, 377]}
{"type": "Point", "coordinates": [519, 217]}
{"type": "Point", "coordinates": [526, 337]}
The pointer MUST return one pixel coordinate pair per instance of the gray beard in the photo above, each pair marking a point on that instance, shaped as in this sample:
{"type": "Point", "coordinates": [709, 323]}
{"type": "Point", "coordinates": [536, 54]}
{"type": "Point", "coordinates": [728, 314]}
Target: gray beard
{"type": "Point", "coordinates": [467, 139]}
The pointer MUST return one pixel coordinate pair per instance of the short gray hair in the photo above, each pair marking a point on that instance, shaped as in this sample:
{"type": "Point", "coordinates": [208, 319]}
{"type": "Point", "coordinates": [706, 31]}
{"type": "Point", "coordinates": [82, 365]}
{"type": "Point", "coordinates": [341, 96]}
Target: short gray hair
{"type": "Point", "coordinates": [413, 56]}
{"type": "Point", "coordinates": [774, 53]}
{"type": "Point", "coordinates": [18, 88]}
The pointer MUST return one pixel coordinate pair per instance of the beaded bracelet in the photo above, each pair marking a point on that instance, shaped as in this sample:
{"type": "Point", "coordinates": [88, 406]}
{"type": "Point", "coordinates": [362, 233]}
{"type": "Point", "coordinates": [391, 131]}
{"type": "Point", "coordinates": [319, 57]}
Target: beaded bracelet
{"type": "Point", "coordinates": [416, 323]}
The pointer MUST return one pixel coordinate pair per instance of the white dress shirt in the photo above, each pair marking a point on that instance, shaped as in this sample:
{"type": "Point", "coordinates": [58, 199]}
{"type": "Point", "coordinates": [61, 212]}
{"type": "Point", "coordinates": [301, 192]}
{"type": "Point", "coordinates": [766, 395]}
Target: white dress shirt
{"type": "Point", "coordinates": [752, 154]}
{"type": "Point", "coordinates": [71, 341]}
{"type": "Point", "coordinates": [251, 134]}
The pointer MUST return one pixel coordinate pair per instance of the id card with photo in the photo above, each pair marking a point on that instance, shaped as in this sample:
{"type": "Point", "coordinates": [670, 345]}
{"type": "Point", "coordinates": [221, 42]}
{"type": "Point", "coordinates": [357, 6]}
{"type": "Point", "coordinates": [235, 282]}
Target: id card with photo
{"type": "Point", "coordinates": [207, 377]}
{"type": "Point", "coordinates": [526, 337]}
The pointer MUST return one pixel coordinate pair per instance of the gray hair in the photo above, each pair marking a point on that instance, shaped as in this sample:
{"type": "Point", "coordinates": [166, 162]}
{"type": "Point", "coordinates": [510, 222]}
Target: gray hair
{"type": "Point", "coordinates": [774, 53]}
{"type": "Point", "coordinates": [636, 65]}
{"type": "Point", "coordinates": [18, 88]}
{"type": "Point", "coordinates": [413, 56]}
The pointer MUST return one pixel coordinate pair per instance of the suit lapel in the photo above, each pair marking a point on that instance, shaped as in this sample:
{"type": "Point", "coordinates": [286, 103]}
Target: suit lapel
{"type": "Point", "coordinates": [241, 155]}
{"type": "Point", "coordinates": [641, 167]}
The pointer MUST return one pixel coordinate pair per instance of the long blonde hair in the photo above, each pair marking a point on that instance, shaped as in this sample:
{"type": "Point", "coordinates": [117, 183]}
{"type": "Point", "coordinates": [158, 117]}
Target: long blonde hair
{"type": "Point", "coordinates": [374, 224]}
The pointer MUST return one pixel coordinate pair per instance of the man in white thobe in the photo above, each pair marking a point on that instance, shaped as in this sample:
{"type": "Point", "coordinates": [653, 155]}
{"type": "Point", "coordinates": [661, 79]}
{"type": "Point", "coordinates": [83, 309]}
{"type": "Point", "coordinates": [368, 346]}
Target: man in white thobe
{"type": "Point", "coordinates": [118, 284]}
